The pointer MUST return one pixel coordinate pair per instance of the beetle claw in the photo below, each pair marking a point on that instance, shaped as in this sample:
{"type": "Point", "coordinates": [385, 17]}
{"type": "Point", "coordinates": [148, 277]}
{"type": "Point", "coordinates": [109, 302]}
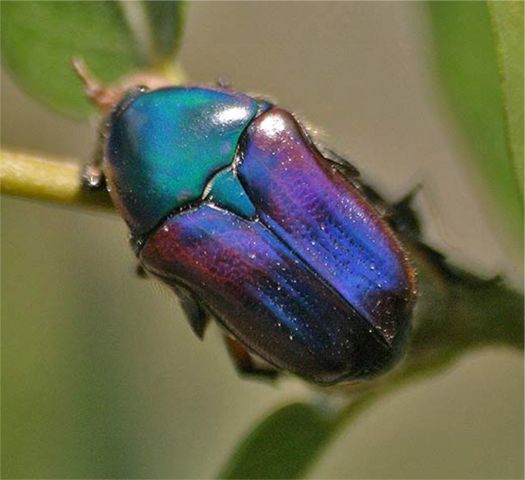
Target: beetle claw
{"type": "Point", "coordinates": [92, 178]}
{"type": "Point", "coordinates": [223, 83]}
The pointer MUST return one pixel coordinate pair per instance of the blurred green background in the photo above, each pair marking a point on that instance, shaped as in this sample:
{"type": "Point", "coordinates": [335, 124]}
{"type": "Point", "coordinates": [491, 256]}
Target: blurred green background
{"type": "Point", "coordinates": [102, 377]}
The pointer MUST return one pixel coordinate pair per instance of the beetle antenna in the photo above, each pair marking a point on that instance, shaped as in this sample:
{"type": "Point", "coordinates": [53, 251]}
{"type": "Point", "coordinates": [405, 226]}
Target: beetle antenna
{"type": "Point", "coordinates": [104, 98]}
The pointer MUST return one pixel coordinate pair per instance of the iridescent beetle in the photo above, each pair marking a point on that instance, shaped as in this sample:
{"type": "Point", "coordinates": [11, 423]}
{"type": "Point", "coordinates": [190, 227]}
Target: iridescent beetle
{"type": "Point", "coordinates": [231, 204]}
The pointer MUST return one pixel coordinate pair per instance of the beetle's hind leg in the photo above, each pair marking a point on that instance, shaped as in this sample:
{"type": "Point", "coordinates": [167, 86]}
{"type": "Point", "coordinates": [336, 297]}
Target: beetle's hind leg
{"type": "Point", "coordinates": [248, 364]}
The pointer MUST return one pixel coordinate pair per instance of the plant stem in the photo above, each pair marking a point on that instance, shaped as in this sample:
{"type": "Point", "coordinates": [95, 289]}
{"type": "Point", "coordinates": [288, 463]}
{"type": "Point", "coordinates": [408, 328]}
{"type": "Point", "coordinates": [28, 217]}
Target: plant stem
{"type": "Point", "coordinates": [46, 178]}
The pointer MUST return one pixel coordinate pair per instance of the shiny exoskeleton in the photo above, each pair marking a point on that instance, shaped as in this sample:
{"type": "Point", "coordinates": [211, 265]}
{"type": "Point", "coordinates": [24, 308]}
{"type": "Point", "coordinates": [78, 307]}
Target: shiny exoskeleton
{"type": "Point", "coordinates": [231, 204]}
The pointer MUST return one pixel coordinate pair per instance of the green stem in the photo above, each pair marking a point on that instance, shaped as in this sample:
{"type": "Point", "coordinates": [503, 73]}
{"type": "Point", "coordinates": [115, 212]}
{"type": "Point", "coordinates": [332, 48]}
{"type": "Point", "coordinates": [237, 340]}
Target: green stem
{"type": "Point", "coordinates": [40, 177]}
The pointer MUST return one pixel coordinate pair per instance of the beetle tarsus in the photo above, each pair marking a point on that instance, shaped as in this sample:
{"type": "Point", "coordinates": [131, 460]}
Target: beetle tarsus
{"type": "Point", "coordinates": [92, 178]}
{"type": "Point", "coordinates": [223, 83]}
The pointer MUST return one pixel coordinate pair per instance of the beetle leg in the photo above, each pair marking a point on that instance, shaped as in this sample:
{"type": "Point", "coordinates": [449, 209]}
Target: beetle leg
{"type": "Point", "coordinates": [246, 363]}
{"type": "Point", "coordinates": [401, 215]}
{"type": "Point", "coordinates": [381, 205]}
{"type": "Point", "coordinates": [223, 83]}
{"type": "Point", "coordinates": [339, 162]}
{"type": "Point", "coordinates": [140, 271]}
{"type": "Point", "coordinates": [195, 313]}
{"type": "Point", "coordinates": [92, 176]}
{"type": "Point", "coordinates": [351, 174]}
{"type": "Point", "coordinates": [403, 218]}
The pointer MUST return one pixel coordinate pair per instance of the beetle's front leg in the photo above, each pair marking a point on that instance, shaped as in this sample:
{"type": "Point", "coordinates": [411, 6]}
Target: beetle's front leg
{"type": "Point", "coordinates": [104, 98]}
{"type": "Point", "coordinates": [92, 175]}
{"type": "Point", "coordinates": [223, 82]}
{"type": "Point", "coordinates": [92, 178]}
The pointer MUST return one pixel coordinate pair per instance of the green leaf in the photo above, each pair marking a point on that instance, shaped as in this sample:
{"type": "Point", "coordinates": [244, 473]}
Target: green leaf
{"type": "Point", "coordinates": [287, 442]}
{"type": "Point", "coordinates": [467, 62]}
{"type": "Point", "coordinates": [283, 445]}
{"type": "Point", "coordinates": [113, 38]}
{"type": "Point", "coordinates": [167, 21]}
{"type": "Point", "coordinates": [507, 22]}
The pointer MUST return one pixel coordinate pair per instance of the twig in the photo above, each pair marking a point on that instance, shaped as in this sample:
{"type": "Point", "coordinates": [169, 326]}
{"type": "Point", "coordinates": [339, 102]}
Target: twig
{"type": "Point", "coordinates": [46, 178]}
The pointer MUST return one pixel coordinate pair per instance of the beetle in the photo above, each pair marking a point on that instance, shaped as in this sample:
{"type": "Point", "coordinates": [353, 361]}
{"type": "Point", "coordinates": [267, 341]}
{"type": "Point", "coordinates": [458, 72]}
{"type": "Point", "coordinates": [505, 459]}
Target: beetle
{"type": "Point", "coordinates": [233, 206]}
